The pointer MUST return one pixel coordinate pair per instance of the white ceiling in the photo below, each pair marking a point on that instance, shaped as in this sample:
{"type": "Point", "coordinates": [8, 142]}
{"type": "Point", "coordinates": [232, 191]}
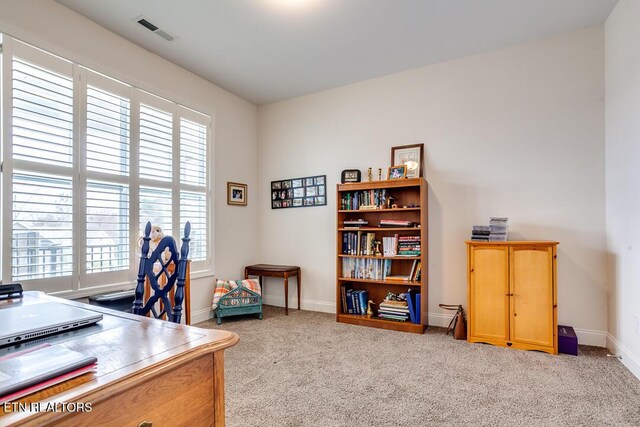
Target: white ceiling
{"type": "Point", "coordinates": [270, 50]}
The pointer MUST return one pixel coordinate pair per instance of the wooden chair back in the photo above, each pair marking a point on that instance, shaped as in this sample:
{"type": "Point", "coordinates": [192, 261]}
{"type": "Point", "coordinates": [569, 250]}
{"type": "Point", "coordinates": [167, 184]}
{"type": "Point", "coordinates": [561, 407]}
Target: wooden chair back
{"type": "Point", "coordinates": [165, 272]}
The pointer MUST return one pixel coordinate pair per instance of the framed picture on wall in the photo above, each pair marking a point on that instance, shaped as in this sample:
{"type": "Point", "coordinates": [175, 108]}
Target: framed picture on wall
{"type": "Point", "coordinates": [236, 194]}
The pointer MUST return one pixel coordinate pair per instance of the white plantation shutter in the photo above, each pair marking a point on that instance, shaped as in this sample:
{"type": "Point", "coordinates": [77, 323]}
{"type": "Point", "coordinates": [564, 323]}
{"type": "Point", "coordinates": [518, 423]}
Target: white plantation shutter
{"type": "Point", "coordinates": [107, 227]}
{"type": "Point", "coordinates": [42, 115]}
{"type": "Point", "coordinates": [42, 227]}
{"type": "Point", "coordinates": [156, 206]}
{"type": "Point", "coordinates": [156, 140]}
{"type": "Point", "coordinates": [193, 208]}
{"type": "Point", "coordinates": [193, 184]}
{"type": "Point", "coordinates": [107, 151]}
{"type": "Point", "coordinates": [193, 153]}
{"type": "Point", "coordinates": [108, 123]}
{"type": "Point", "coordinates": [40, 169]}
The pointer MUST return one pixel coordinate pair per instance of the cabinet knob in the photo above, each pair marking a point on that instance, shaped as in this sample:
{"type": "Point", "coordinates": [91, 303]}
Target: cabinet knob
{"type": "Point", "coordinates": [145, 424]}
{"type": "Point", "coordinates": [515, 314]}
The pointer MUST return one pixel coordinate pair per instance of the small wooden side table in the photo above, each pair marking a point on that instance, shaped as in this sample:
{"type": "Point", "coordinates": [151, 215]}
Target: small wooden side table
{"type": "Point", "coordinates": [270, 270]}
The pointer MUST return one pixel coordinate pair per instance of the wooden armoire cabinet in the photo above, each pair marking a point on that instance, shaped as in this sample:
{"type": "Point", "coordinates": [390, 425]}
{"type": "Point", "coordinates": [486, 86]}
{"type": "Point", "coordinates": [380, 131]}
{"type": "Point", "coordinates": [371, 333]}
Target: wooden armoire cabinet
{"type": "Point", "coordinates": [512, 294]}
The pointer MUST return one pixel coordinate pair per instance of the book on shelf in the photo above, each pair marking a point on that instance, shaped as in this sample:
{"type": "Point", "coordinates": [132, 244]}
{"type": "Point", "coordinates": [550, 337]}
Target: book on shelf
{"type": "Point", "coordinates": [398, 278]}
{"type": "Point", "coordinates": [396, 223]}
{"type": "Point", "coordinates": [355, 223]}
{"type": "Point", "coordinates": [39, 367]}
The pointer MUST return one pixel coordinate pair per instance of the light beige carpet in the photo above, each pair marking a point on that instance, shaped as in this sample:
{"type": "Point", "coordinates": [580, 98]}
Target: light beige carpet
{"type": "Point", "coordinates": [307, 370]}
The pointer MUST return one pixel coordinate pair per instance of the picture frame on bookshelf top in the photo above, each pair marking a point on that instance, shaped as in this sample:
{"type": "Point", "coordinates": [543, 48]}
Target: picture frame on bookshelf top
{"type": "Point", "coordinates": [412, 156]}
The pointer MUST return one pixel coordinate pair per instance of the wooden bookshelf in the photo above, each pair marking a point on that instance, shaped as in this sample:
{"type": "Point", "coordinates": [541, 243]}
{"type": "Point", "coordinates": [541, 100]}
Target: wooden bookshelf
{"type": "Point", "coordinates": [410, 195]}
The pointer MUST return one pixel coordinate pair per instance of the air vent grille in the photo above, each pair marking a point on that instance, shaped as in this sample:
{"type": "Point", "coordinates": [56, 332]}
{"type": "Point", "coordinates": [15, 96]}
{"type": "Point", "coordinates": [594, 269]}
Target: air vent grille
{"type": "Point", "coordinates": [147, 24]}
{"type": "Point", "coordinates": [155, 29]}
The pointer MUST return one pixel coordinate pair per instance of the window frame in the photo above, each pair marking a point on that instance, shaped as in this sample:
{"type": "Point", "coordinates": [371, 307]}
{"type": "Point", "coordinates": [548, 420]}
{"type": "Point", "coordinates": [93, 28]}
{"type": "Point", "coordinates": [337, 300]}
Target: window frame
{"type": "Point", "coordinates": [81, 283]}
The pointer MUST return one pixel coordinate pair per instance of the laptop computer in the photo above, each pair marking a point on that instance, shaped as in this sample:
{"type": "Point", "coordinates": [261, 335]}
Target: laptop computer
{"type": "Point", "coordinates": [25, 322]}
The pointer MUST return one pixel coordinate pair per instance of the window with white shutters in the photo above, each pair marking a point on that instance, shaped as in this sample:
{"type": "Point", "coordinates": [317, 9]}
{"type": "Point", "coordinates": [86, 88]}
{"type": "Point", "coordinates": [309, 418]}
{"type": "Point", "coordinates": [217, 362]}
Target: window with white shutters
{"type": "Point", "coordinates": [87, 161]}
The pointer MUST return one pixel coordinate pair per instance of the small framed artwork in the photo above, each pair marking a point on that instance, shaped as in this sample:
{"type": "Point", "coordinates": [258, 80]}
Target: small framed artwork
{"type": "Point", "coordinates": [299, 192]}
{"type": "Point", "coordinates": [411, 156]}
{"type": "Point", "coordinates": [236, 194]}
{"type": "Point", "coordinates": [397, 172]}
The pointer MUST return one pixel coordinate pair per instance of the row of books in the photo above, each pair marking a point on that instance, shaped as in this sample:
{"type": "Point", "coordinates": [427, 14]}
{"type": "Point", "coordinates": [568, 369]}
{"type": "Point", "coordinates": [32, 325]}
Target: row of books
{"type": "Point", "coordinates": [366, 268]}
{"type": "Point", "coordinates": [358, 243]}
{"type": "Point", "coordinates": [496, 231]}
{"type": "Point", "coordinates": [364, 200]}
{"type": "Point", "coordinates": [354, 301]}
{"type": "Point", "coordinates": [401, 246]}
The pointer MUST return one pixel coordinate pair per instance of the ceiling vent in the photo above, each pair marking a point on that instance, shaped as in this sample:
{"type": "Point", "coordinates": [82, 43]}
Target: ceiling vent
{"type": "Point", "coordinates": [155, 29]}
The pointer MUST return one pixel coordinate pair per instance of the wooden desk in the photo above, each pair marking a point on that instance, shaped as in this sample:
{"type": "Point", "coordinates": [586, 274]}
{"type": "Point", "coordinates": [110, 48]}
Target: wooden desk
{"type": "Point", "coordinates": [148, 370]}
{"type": "Point", "coordinates": [270, 270]}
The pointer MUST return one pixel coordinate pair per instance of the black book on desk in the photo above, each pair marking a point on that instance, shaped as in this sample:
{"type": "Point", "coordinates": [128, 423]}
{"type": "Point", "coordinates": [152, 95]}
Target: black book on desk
{"type": "Point", "coordinates": [31, 370]}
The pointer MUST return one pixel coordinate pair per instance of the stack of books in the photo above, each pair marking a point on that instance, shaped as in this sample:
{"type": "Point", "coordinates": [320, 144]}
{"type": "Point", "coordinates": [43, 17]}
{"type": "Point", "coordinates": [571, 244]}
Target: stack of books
{"type": "Point", "coordinates": [31, 370]}
{"type": "Point", "coordinates": [396, 223]}
{"type": "Point", "coordinates": [480, 233]}
{"type": "Point", "coordinates": [355, 223]}
{"type": "Point", "coordinates": [498, 229]}
{"type": "Point", "coordinates": [394, 310]}
{"type": "Point", "coordinates": [409, 246]}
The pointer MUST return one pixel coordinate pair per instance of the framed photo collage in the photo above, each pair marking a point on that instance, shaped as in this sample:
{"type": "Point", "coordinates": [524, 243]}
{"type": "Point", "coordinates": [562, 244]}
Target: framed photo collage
{"type": "Point", "coordinates": [299, 192]}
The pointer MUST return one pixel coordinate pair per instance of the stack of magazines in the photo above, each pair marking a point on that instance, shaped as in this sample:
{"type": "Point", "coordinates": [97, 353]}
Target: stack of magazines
{"type": "Point", "coordinates": [498, 229]}
{"type": "Point", "coordinates": [480, 233]}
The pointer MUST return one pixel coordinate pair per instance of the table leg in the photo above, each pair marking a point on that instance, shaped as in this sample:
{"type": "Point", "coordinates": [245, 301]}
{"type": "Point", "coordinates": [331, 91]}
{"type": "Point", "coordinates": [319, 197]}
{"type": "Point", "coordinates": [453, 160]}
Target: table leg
{"type": "Point", "coordinates": [299, 286]}
{"type": "Point", "coordinates": [286, 295]}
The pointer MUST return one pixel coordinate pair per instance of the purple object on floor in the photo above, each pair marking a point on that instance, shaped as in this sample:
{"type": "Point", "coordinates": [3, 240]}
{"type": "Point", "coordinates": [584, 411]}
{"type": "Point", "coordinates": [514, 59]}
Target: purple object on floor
{"type": "Point", "coordinates": [567, 340]}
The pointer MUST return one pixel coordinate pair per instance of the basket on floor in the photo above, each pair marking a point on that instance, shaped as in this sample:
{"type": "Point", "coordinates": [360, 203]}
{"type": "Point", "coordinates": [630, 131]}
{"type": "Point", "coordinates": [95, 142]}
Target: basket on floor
{"type": "Point", "coordinates": [237, 297]}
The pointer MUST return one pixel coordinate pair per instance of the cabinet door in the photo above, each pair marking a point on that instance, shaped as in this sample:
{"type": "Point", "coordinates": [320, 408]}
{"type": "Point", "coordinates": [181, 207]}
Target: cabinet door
{"type": "Point", "coordinates": [488, 289]}
{"type": "Point", "coordinates": [532, 300]}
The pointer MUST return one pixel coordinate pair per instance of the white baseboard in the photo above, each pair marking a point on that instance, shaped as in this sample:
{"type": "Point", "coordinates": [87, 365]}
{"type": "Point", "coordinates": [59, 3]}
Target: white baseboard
{"type": "Point", "coordinates": [305, 304]}
{"type": "Point", "coordinates": [440, 320]}
{"type": "Point", "coordinates": [591, 337]}
{"type": "Point", "coordinates": [201, 315]}
{"type": "Point", "coordinates": [630, 360]}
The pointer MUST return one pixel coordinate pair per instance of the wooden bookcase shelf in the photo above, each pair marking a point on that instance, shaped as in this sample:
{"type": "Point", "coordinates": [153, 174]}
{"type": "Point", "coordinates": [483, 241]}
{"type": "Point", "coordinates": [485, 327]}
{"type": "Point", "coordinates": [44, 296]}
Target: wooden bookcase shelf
{"type": "Point", "coordinates": [405, 192]}
{"type": "Point", "coordinates": [379, 257]}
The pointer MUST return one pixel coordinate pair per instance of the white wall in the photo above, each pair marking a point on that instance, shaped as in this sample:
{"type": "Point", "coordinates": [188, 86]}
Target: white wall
{"type": "Point", "coordinates": [622, 65]}
{"type": "Point", "coordinates": [516, 132]}
{"type": "Point", "coordinates": [55, 28]}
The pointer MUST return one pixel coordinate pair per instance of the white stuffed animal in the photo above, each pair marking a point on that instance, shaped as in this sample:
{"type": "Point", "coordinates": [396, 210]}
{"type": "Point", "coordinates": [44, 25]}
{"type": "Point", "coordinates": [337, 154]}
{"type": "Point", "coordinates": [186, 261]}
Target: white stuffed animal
{"type": "Point", "coordinates": [156, 235]}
